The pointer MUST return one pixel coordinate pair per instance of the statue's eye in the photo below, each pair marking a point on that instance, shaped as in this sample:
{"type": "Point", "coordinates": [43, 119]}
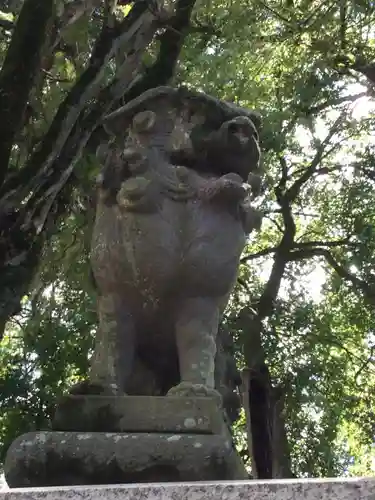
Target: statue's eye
{"type": "Point", "coordinates": [233, 128]}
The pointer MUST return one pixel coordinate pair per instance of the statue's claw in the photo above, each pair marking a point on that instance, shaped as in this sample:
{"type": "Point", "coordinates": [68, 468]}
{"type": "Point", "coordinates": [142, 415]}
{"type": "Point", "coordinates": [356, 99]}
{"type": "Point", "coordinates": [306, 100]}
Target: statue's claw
{"type": "Point", "coordinates": [187, 389]}
{"type": "Point", "coordinates": [227, 189]}
{"type": "Point", "coordinates": [87, 388]}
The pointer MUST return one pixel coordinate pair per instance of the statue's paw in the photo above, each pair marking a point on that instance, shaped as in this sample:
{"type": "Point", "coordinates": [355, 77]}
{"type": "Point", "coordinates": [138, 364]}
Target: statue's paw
{"type": "Point", "coordinates": [87, 388]}
{"type": "Point", "coordinates": [136, 195]}
{"type": "Point", "coordinates": [178, 187]}
{"type": "Point", "coordinates": [232, 177]}
{"type": "Point", "coordinates": [186, 389]}
{"type": "Point", "coordinates": [132, 190]}
{"type": "Point", "coordinates": [227, 189]}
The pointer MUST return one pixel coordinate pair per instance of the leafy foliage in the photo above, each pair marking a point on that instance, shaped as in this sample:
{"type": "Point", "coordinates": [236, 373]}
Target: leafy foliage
{"type": "Point", "coordinates": [304, 303]}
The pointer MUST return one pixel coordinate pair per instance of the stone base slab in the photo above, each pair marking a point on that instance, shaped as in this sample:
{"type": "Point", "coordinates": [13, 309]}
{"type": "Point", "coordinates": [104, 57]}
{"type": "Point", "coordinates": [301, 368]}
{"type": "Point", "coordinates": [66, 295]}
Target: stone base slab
{"type": "Point", "coordinates": [71, 458]}
{"type": "Point", "coordinates": [309, 489]}
{"type": "Point", "coordinates": [198, 415]}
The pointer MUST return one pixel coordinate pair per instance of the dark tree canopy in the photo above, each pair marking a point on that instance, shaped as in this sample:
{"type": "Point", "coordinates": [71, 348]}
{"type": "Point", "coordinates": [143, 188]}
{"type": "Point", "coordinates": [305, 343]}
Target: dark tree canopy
{"type": "Point", "coordinates": [302, 314]}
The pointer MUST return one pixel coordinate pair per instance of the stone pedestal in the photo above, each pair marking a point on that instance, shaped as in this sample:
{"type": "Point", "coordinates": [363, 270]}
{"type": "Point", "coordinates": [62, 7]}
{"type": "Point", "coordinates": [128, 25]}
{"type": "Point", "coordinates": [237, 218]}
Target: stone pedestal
{"type": "Point", "coordinates": [302, 489]}
{"type": "Point", "coordinates": [109, 440]}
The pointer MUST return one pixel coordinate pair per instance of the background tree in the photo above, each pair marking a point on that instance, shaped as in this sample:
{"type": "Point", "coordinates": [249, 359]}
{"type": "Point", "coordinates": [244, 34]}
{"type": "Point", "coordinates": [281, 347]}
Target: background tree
{"type": "Point", "coordinates": [302, 312]}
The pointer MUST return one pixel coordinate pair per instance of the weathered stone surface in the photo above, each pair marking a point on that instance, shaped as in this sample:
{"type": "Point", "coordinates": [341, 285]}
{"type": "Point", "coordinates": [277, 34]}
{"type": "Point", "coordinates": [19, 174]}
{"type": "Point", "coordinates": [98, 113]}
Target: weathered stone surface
{"type": "Point", "coordinates": [68, 458]}
{"type": "Point", "coordinates": [138, 414]}
{"type": "Point", "coordinates": [310, 489]}
{"type": "Point", "coordinates": [174, 209]}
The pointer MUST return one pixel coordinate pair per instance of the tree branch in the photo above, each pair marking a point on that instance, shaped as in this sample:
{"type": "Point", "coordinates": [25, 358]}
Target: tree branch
{"type": "Point", "coordinates": [340, 100]}
{"type": "Point", "coordinates": [328, 244]}
{"type": "Point", "coordinates": [140, 20]}
{"type": "Point", "coordinates": [261, 253]}
{"type": "Point", "coordinates": [161, 72]}
{"type": "Point", "coordinates": [21, 65]}
{"type": "Point", "coordinates": [47, 174]}
{"type": "Point", "coordinates": [45, 181]}
{"type": "Point", "coordinates": [358, 284]}
{"type": "Point", "coordinates": [306, 245]}
{"type": "Point", "coordinates": [294, 190]}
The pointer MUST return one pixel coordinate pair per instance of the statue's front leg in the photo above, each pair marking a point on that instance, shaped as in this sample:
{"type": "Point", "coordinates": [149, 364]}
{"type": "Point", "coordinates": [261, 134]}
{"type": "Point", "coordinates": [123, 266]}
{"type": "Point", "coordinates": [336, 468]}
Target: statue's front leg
{"type": "Point", "coordinates": [196, 327]}
{"type": "Point", "coordinates": [113, 358]}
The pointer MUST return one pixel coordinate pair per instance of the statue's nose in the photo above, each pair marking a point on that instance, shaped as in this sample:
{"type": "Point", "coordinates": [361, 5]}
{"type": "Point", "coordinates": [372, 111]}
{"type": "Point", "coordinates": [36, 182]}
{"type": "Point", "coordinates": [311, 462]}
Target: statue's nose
{"type": "Point", "coordinates": [242, 137]}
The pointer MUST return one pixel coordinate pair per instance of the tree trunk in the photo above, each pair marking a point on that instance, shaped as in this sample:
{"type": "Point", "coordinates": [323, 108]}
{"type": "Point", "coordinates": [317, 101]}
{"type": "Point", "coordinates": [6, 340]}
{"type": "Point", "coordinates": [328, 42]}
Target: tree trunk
{"type": "Point", "coordinates": [267, 441]}
{"type": "Point", "coordinates": [33, 198]}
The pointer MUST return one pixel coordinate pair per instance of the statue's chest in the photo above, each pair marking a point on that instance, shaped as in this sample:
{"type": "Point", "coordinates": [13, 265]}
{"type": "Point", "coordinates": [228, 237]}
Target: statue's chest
{"type": "Point", "coordinates": [186, 241]}
{"type": "Point", "coordinates": [175, 228]}
{"type": "Point", "coordinates": [183, 229]}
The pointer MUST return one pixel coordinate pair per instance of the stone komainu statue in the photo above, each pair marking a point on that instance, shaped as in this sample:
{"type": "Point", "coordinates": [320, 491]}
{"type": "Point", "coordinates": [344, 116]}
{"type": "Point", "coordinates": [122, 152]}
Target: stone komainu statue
{"type": "Point", "coordinates": [172, 219]}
